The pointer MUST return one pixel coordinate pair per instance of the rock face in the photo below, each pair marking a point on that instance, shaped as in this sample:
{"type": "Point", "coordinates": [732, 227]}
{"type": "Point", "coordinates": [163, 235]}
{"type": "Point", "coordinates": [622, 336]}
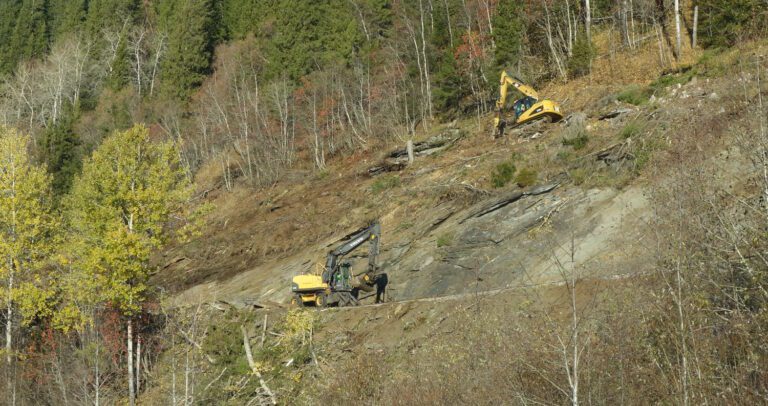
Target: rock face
{"type": "Point", "coordinates": [509, 239]}
{"type": "Point", "coordinates": [521, 242]}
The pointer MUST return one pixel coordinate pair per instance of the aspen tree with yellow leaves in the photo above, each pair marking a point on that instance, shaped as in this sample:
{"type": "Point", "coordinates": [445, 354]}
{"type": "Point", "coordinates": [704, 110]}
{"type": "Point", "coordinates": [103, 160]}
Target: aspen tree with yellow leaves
{"type": "Point", "coordinates": [129, 200]}
{"type": "Point", "coordinates": [26, 228]}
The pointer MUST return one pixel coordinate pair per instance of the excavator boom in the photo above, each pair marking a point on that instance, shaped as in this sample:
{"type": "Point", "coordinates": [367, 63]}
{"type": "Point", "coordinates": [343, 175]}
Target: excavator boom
{"type": "Point", "coordinates": [370, 233]}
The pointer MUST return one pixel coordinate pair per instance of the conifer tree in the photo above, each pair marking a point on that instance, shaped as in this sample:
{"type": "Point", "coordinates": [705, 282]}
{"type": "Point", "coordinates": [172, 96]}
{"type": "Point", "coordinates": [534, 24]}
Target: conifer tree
{"type": "Point", "coordinates": [61, 151]}
{"type": "Point", "coordinates": [120, 73]}
{"type": "Point", "coordinates": [508, 33]}
{"type": "Point", "coordinates": [190, 45]}
{"type": "Point", "coordinates": [110, 15]}
{"type": "Point", "coordinates": [30, 35]}
{"type": "Point", "coordinates": [8, 12]}
{"type": "Point", "coordinates": [66, 17]}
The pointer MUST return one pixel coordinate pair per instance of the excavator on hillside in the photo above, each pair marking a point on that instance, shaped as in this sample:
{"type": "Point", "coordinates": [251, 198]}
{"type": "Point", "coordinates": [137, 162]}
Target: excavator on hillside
{"type": "Point", "coordinates": [526, 110]}
{"type": "Point", "coordinates": [335, 284]}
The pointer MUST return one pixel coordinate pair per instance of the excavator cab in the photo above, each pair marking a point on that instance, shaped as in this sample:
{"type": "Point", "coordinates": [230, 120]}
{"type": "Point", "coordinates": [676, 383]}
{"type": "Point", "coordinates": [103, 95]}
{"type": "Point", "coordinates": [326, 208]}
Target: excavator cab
{"type": "Point", "coordinates": [523, 105]}
{"type": "Point", "coordinates": [343, 277]}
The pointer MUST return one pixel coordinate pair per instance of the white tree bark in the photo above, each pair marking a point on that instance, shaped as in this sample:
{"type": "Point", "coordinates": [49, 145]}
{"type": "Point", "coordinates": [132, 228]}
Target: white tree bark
{"type": "Point", "coordinates": [695, 26]}
{"type": "Point", "coordinates": [129, 359]}
{"type": "Point", "coordinates": [678, 42]}
{"type": "Point", "coordinates": [588, 20]}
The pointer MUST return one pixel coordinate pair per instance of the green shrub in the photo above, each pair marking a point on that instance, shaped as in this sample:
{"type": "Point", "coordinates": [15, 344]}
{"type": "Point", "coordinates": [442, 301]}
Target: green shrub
{"type": "Point", "coordinates": [502, 174]}
{"type": "Point", "coordinates": [526, 177]}
{"type": "Point", "coordinates": [444, 240]}
{"type": "Point", "coordinates": [385, 183]}
{"type": "Point", "coordinates": [583, 54]}
{"type": "Point", "coordinates": [578, 142]}
{"type": "Point", "coordinates": [578, 175]}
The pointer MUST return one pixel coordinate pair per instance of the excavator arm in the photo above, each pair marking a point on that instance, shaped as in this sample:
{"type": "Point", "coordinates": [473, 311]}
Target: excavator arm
{"type": "Point", "coordinates": [370, 233]}
{"type": "Point", "coordinates": [506, 81]}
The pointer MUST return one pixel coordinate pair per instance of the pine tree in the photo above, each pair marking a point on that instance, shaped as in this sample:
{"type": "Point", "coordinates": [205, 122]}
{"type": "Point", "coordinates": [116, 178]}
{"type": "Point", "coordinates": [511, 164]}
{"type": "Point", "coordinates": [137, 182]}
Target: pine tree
{"type": "Point", "coordinates": [583, 53]}
{"type": "Point", "coordinates": [189, 25]}
{"type": "Point", "coordinates": [61, 151]}
{"type": "Point", "coordinates": [120, 73]}
{"type": "Point", "coordinates": [723, 22]}
{"type": "Point", "coordinates": [448, 89]}
{"type": "Point", "coordinates": [66, 17]}
{"type": "Point", "coordinates": [8, 12]}
{"type": "Point", "coordinates": [110, 15]}
{"type": "Point", "coordinates": [508, 33]}
{"type": "Point", "coordinates": [30, 34]}
{"type": "Point", "coordinates": [26, 227]}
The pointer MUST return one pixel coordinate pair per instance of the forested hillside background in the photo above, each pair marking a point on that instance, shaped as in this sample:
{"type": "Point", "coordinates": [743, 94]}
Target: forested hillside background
{"type": "Point", "coordinates": [253, 86]}
{"type": "Point", "coordinates": [112, 111]}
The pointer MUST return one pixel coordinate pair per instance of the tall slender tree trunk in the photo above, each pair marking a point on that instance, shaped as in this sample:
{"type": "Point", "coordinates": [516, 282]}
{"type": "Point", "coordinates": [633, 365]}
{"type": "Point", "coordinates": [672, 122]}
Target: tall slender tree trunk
{"type": "Point", "coordinates": [588, 20]}
{"type": "Point", "coordinates": [448, 19]}
{"type": "Point", "coordinates": [678, 42]}
{"type": "Point", "coordinates": [138, 364]}
{"type": "Point", "coordinates": [131, 387]}
{"type": "Point", "coordinates": [695, 26]}
{"type": "Point", "coordinates": [426, 64]}
{"type": "Point", "coordinates": [9, 316]}
{"type": "Point", "coordinates": [9, 337]}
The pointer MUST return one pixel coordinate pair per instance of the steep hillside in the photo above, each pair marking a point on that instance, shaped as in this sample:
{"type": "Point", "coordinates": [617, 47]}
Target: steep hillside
{"type": "Point", "coordinates": [441, 234]}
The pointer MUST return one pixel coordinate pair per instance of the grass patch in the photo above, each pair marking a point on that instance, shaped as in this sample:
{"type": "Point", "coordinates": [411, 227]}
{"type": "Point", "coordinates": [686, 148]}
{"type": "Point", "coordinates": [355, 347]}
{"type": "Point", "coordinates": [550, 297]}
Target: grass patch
{"type": "Point", "coordinates": [578, 176]}
{"type": "Point", "coordinates": [502, 174]}
{"type": "Point", "coordinates": [385, 183]}
{"type": "Point", "coordinates": [444, 240]}
{"type": "Point", "coordinates": [633, 129]}
{"type": "Point", "coordinates": [679, 77]}
{"type": "Point", "coordinates": [713, 62]}
{"type": "Point", "coordinates": [526, 177]}
{"type": "Point", "coordinates": [578, 142]}
{"type": "Point", "coordinates": [564, 156]}
{"type": "Point", "coordinates": [635, 95]}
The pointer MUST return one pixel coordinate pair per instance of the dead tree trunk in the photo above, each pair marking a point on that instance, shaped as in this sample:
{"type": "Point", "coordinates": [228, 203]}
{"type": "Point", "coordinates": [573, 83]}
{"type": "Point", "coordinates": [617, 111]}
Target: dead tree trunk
{"type": "Point", "coordinates": [254, 369]}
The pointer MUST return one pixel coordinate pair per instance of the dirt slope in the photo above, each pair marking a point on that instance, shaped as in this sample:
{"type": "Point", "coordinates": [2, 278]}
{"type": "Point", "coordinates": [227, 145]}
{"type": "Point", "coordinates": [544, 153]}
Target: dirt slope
{"type": "Point", "coordinates": [588, 208]}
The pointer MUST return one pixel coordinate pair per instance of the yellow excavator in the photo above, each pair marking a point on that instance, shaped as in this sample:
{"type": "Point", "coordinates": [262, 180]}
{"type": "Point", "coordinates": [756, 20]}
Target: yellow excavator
{"type": "Point", "coordinates": [527, 109]}
{"type": "Point", "coordinates": [335, 285]}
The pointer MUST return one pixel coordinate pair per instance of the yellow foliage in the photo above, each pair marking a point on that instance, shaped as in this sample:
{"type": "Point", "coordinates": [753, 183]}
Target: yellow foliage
{"type": "Point", "coordinates": [131, 198]}
{"type": "Point", "coordinates": [299, 322]}
{"type": "Point", "coordinates": [26, 228]}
